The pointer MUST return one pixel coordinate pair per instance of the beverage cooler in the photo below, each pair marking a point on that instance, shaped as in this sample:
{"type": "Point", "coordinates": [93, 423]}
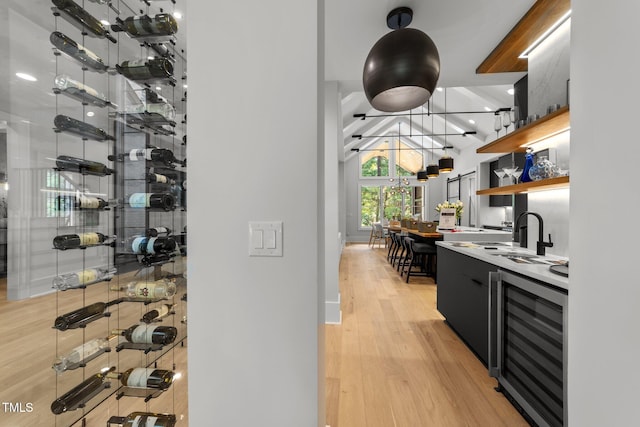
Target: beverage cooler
{"type": "Point", "coordinates": [528, 345]}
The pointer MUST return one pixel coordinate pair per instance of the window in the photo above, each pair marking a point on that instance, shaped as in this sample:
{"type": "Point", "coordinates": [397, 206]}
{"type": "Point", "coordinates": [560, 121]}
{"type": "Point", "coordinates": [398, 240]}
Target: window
{"type": "Point", "coordinates": [384, 201]}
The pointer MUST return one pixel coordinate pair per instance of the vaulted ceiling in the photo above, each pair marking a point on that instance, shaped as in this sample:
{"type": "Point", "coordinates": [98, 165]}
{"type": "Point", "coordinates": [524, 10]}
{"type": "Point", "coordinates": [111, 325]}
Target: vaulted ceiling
{"type": "Point", "coordinates": [465, 32]}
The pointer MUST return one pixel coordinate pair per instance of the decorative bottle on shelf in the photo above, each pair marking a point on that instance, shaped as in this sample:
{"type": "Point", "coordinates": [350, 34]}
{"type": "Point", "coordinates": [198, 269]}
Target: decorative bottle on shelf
{"type": "Point", "coordinates": [146, 69]}
{"type": "Point", "coordinates": [83, 278]}
{"type": "Point", "coordinates": [76, 51]}
{"type": "Point", "coordinates": [141, 245]}
{"type": "Point", "coordinates": [145, 419]}
{"type": "Point", "coordinates": [82, 166]}
{"type": "Point", "coordinates": [158, 155]}
{"type": "Point", "coordinates": [163, 24]}
{"type": "Point", "coordinates": [145, 378]}
{"type": "Point", "coordinates": [81, 354]}
{"type": "Point", "coordinates": [156, 178]}
{"type": "Point", "coordinates": [80, 202]}
{"type": "Point", "coordinates": [543, 169]}
{"type": "Point", "coordinates": [80, 240]}
{"type": "Point", "coordinates": [79, 91]}
{"type": "Point", "coordinates": [68, 124]}
{"type": "Point", "coordinates": [165, 201]}
{"type": "Point", "coordinates": [147, 290]}
{"type": "Point", "coordinates": [82, 19]}
{"type": "Point", "coordinates": [528, 162]}
{"type": "Point", "coordinates": [80, 317]}
{"type": "Point", "coordinates": [157, 314]}
{"type": "Point", "coordinates": [80, 393]}
{"type": "Point", "coordinates": [148, 334]}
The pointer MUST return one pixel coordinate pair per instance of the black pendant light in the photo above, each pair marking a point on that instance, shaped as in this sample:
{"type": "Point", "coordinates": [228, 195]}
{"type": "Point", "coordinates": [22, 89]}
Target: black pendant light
{"type": "Point", "coordinates": [445, 164]}
{"type": "Point", "coordinates": [433, 171]}
{"type": "Point", "coordinates": [402, 68]}
{"type": "Point", "coordinates": [422, 173]}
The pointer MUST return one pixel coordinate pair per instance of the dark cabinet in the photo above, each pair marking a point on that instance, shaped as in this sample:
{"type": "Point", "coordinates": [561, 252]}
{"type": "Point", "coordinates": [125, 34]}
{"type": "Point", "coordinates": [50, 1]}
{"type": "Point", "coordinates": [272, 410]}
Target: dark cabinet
{"type": "Point", "coordinates": [463, 292]}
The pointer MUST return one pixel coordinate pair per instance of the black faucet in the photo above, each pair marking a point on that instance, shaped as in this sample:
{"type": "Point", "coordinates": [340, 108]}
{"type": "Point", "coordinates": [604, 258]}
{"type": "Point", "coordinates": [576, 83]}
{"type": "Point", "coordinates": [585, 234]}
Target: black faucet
{"type": "Point", "coordinates": [541, 243]}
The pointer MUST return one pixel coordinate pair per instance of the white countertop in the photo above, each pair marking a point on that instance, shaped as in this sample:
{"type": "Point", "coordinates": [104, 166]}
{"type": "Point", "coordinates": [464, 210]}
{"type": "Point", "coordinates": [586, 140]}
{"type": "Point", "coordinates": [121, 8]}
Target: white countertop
{"type": "Point", "coordinates": [475, 234]}
{"type": "Point", "coordinates": [476, 249]}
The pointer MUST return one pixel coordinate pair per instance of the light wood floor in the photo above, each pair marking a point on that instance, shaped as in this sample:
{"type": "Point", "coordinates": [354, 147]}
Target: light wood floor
{"type": "Point", "coordinates": [393, 362]}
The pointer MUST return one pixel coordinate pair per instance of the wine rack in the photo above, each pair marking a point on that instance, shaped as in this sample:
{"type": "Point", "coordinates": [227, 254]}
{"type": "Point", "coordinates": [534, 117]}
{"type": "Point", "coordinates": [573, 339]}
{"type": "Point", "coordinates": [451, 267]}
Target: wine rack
{"type": "Point", "coordinates": [111, 125]}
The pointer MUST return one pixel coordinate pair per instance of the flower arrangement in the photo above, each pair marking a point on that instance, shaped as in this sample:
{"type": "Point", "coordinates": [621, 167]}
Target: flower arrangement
{"type": "Point", "coordinates": [457, 205]}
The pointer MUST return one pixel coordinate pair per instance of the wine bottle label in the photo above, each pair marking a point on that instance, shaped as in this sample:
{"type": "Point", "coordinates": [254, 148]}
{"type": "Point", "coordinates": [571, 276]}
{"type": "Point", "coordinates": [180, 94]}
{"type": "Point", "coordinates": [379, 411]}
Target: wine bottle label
{"type": "Point", "coordinates": [138, 244]}
{"type": "Point", "coordinates": [87, 276]}
{"type": "Point", "coordinates": [139, 200]}
{"type": "Point", "coordinates": [88, 239]}
{"type": "Point", "coordinates": [162, 179]}
{"type": "Point", "coordinates": [144, 290]}
{"type": "Point", "coordinates": [144, 421]}
{"type": "Point", "coordinates": [150, 243]}
{"type": "Point", "coordinates": [140, 154]}
{"type": "Point", "coordinates": [89, 202]}
{"type": "Point", "coordinates": [143, 334]}
{"type": "Point", "coordinates": [139, 376]}
{"type": "Point", "coordinates": [161, 230]}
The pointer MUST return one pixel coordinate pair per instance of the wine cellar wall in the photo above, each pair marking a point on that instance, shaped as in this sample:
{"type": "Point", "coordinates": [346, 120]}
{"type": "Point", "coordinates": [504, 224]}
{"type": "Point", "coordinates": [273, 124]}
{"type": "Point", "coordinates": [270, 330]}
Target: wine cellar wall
{"type": "Point", "coordinates": [99, 226]}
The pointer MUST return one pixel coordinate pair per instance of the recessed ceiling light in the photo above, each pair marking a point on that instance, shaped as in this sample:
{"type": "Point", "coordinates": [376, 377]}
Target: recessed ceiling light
{"type": "Point", "coordinates": [177, 15]}
{"type": "Point", "coordinates": [185, 86]}
{"type": "Point", "coordinates": [473, 122]}
{"type": "Point", "coordinates": [439, 89]}
{"type": "Point", "coordinates": [90, 113]}
{"type": "Point", "coordinates": [158, 88]}
{"type": "Point", "coordinates": [27, 77]}
{"type": "Point", "coordinates": [511, 91]}
{"type": "Point", "coordinates": [150, 57]}
{"type": "Point", "coordinates": [487, 109]}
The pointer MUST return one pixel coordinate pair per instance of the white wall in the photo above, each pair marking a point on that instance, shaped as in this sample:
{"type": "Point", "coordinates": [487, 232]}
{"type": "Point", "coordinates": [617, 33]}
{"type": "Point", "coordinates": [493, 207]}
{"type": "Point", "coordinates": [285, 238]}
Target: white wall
{"type": "Point", "coordinates": [254, 323]}
{"type": "Point", "coordinates": [332, 236]}
{"type": "Point", "coordinates": [604, 344]}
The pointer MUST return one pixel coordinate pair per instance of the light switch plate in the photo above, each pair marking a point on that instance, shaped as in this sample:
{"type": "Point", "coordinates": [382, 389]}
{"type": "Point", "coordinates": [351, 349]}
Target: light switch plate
{"type": "Point", "coordinates": [265, 238]}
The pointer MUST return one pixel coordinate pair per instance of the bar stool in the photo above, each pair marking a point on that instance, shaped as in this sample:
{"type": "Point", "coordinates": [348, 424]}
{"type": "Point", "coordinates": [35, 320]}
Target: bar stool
{"type": "Point", "coordinates": [420, 255]}
{"type": "Point", "coordinates": [392, 244]}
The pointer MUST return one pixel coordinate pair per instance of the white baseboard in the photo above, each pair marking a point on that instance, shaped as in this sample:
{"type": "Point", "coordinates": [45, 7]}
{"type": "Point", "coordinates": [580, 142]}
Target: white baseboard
{"type": "Point", "coordinates": [332, 313]}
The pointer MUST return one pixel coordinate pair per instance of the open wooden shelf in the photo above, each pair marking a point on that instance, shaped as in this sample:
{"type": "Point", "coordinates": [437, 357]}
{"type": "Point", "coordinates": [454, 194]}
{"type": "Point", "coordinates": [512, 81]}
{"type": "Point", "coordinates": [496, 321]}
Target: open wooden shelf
{"type": "Point", "coordinates": [526, 187]}
{"type": "Point", "coordinates": [504, 57]}
{"type": "Point", "coordinates": [518, 140]}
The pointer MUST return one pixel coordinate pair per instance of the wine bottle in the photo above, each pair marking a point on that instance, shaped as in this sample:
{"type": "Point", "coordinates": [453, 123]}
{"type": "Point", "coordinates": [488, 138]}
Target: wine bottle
{"type": "Point", "coordinates": [163, 24]}
{"type": "Point", "coordinates": [148, 334]}
{"type": "Point", "coordinates": [156, 178]}
{"type": "Point", "coordinates": [160, 49]}
{"type": "Point", "coordinates": [157, 155]}
{"type": "Point", "coordinates": [75, 241]}
{"type": "Point", "coordinates": [157, 314]}
{"type": "Point", "coordinates": [78, 91]}
{"type": "Point", "coordinates": [76, 51]}
{"type": "Point", "coordinates": [80, 317]}
{"type": "Point", "coordinates": [80, 393]}
{"type": "Point", "coordinates": [80, 202]}
{"type": "Point", "coordinates": [147, 290]}
{"type": "Point", "coordinates": [145, 419]}
{"type": "Point", "coordinates": [158, 231]}
{"type": "Point", "coordinates": [163, 111]}
{"type": "Point", "coordinates": [164, 201]}
{"type": "Point", "coordinates": [68, 124]}
{"type": "Point", "coordinates": [146, 378]}
{"type": "Point", "coordinates": [146, 69]}
{"type": "Point", "coordinates": [82, 166]}
{"type": "Point", "coordinates": [83, 278]}
{"type": "Point", "coordinates": [82, 19]}
{"type": "Point", "coordinates": [141, 245]}
{"type": "Point", "coordinates": [156, 259]}
{"type": "Point", "coordinates": [81, 355]}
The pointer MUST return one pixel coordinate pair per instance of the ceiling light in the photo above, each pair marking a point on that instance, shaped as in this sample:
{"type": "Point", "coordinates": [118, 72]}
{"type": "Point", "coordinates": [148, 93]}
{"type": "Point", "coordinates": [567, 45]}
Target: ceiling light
{"type": "Point", "coordinates": [473, 122]}
{"type": "Point", "coordinates": [487, 109]}
{"type": "Point", "coordinates": [402, 68]}
{"type": "Point", "coordinates": [158, 88]}
{"type": "Point", "coordinates": [27, 77]}
{"type": "Point", "coordinates": [439, 89]}
{"type": "Point", "coordinates": [445, 164]}
{"type": "Point", "coordinates": [177, 15]}
{"type": "Point", "coordinates": [90, 113]}
{"type": "Point", "coordinates": [105, 22]}
{"type": "Point", "coordinates": [511, 91]}
{"type": "Point", "coordinates": [185, 86]}
{"type": "Point", "coordinates": [536, 43]}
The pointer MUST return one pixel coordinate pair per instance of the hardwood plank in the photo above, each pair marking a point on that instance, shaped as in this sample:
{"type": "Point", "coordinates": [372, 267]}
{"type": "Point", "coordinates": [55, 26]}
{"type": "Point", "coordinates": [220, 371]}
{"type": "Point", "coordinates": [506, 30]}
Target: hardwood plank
{"type": "Point", "coordinates": [400, 364]}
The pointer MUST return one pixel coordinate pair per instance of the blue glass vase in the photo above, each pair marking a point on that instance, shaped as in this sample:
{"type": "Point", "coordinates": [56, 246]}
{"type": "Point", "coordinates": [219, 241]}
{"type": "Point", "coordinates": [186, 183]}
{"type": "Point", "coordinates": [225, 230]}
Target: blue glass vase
{"type": "Point", "coordinates": [528, 163]}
